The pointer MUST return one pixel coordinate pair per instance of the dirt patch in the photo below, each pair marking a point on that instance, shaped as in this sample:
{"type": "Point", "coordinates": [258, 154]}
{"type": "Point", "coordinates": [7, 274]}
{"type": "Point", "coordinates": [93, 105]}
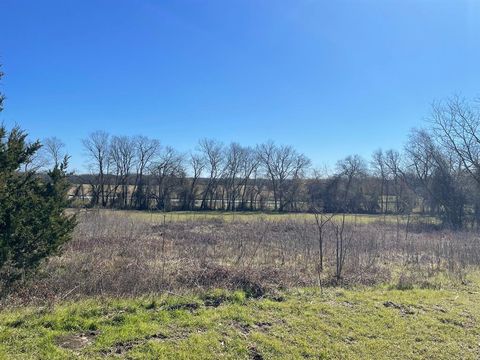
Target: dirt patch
{"type": "Point", "coordinates": [452, 322]}
{"type": "Point", "coordinates": [76, 341]}
{"type": "Point", "coordinates": [185, 306]}
{"type": "Point", "coordinates": [404, 310]}
{"type": "Point", "coordinates": [350, 340]}
{"type": "Point", "coordinates": [254, 353]}
{"type": "Point", "coordinates": [347, 304]}
{"type": "Point", "coordinates": [123, 346]}
{"type": "Point", "coordinates": [214, 301]}
{"type": "Point", "coordinates": [468, 321]}
{"type": "Point", "coordinates": [263, 325]}
{"type": "Point", "coordinates": [247, 328]}
{"type": "Point", "coordinates": [439, 309]}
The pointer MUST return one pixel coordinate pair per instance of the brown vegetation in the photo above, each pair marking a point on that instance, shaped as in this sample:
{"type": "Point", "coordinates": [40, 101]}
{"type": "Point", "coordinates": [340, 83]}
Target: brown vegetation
{"type": "Point", "coordinates": [115, 255]}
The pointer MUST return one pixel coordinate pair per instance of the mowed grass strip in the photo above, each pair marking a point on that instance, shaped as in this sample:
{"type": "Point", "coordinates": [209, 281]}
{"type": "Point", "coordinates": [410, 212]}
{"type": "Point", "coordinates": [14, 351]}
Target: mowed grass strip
{"type": "Point", "coordinates": [367, 323]}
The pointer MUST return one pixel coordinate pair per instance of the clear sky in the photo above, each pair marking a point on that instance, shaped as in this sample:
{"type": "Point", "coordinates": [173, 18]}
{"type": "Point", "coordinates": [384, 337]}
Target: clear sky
{"type": "Point", "coordinates": [330, 77]}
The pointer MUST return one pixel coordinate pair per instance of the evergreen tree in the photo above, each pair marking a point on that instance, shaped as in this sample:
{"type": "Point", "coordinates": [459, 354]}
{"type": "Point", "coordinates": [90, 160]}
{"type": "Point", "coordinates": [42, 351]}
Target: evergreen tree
{"type": "Point", "coordinates": [33, 223]}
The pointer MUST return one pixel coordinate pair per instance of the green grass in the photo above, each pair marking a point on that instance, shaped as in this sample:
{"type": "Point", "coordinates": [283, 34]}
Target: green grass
{"type": "Point", "coordinates": [366, 323]}
{"type": "Point", "coordinates": [159, 217]}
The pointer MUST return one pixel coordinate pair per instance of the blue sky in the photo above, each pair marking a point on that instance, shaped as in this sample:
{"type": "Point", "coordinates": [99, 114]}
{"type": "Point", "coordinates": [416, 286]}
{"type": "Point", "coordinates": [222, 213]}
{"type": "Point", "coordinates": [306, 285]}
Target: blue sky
{"type": "Point", "coordinates": [331, 78]}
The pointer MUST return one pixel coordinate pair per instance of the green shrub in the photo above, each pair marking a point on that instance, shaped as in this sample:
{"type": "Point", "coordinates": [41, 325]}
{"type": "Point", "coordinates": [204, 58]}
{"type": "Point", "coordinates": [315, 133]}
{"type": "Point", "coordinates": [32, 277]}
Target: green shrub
{"type": "Point", "coordinates": [33, 223]}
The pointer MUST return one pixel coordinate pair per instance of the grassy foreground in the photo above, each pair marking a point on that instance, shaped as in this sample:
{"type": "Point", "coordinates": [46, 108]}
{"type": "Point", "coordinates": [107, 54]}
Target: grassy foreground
{"type": "Point", "coordinates": [371, 323]}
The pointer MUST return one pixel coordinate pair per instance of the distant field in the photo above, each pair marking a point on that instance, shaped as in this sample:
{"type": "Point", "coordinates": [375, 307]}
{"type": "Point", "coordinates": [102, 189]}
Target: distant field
{"type": "Point", "coordinates": [176, 216]}
{"type": "Point", "coordinates": [366, 323]}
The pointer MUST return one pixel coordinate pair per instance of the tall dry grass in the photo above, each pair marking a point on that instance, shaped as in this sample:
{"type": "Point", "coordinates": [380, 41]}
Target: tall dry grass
{"type": "Point", "coordinates": [124, 256]}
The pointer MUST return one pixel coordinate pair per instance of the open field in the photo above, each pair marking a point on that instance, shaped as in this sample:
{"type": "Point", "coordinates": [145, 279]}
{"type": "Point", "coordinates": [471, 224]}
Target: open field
{"type": "Point", "coordinates": [131, 253]}
{"type": "Point", "coordinates": [363, 323]}
{"type": "Point", "coordinates": [121, 253]}
{"type": "Point", "coordinates": [210, 285]}
{"type": "Point", "coordinates": [252, 180]}
{"type": "Point", "coordinates": [159, 217]}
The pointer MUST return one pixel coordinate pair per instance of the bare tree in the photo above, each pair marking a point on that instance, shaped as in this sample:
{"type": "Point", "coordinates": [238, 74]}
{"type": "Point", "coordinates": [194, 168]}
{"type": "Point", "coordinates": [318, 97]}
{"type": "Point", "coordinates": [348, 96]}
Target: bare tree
{"type": "Point", "coordinates": [167, 170]}
{"type": "Point", "coordinates": [212, 153]}
{"type": "Point", "coordinates": [393, 166]}
{"type": "Point", "coordinates": [380, 171]}
{"type": "Point", "coordinates": [435, 178]}
{"type": "Point", "coordinates": [351, 170]}
{"type": "Point", "coordinates": [256, 185]}
{"type": "Point", "coordinates": [54, 149]}
{"type": "Point", "coordinates": [322, 220]}
{"type": "Point", "coordinates": [96, 146]}
{"type": "Point", "coordinates": [456, 128]}
{"type": "Point", "coordinates": [248, 166]}
{"type": "Point", "coordinates": [122, 154]}
{"type": "Point", "coordinates": [283, 166]}
{"type": "Point", "coordinates": [233, 154]}
{"type": "Point", "coordinates": [146, 150]}
{"type": "Point", "coordinates": [240, 163]}
{"type": "Point", "coordinates": [197, 164]}
{"type": "Point", "coordinates": [456, 124]}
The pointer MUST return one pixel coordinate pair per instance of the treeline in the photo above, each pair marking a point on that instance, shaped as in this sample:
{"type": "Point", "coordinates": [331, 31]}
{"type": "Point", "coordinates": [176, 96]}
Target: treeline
{"type": "Point", "coordinates": [437, 173]}
{"type": "Point", "coordinates": [137, 172]}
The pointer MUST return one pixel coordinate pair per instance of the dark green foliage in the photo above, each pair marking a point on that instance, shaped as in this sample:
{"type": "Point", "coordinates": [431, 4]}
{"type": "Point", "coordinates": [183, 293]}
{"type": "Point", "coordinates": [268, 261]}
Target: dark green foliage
{"type": "Point", "coordinates": [33, 223]}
